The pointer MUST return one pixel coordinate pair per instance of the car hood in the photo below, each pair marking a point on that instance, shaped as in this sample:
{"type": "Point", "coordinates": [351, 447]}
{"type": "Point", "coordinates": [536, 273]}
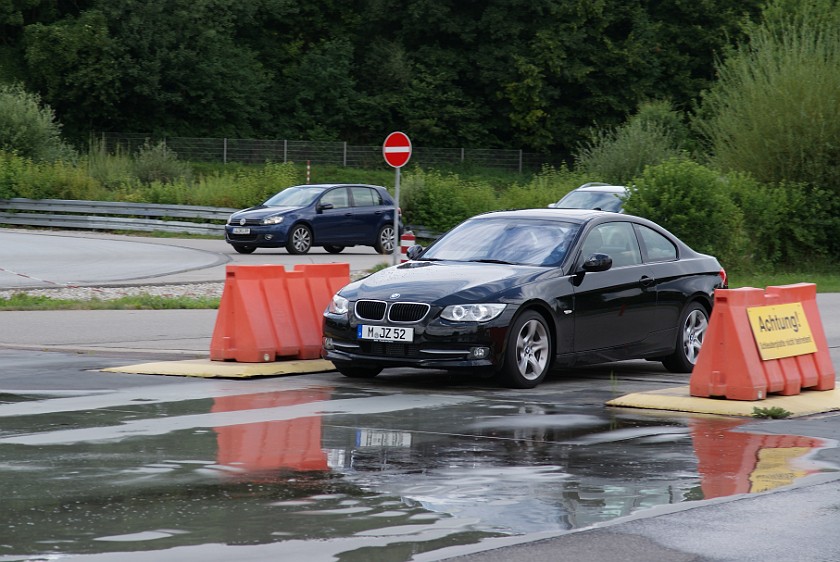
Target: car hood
{"type": "Point", "coordinates": [262, 211]}
{"type": "Point", "coordinates": [444, 282]}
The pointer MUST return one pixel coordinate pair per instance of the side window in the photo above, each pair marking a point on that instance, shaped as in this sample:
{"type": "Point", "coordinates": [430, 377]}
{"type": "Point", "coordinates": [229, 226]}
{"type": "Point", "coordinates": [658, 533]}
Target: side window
{"type": "Point", "coordinates": [617, 240]}
{"type": "Point", "coordinates": [364, 197]}
{"type": "Point", "coordinates": [657, 247]}
{"type": "Point", "coordinates": [338, 198]}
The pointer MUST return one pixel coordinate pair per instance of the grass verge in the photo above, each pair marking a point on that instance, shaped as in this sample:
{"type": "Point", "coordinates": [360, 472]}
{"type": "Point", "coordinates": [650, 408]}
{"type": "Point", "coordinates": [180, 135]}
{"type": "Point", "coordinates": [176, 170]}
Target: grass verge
{"type": "Point", "coordinates": [23, 301]}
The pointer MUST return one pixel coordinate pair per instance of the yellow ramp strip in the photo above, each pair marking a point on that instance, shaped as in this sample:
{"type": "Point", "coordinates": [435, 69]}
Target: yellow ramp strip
{"type": "Point", "coordinates": [225, 369]}
{"type": "Point", "coordinates": [679, 399]}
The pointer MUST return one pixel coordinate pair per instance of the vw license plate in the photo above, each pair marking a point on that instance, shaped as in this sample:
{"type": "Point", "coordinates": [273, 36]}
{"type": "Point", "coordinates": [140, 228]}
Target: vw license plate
{"type": "Point", "coordinates": [385, 333]}
{"type": "Point", "coordinates": [240, 230]}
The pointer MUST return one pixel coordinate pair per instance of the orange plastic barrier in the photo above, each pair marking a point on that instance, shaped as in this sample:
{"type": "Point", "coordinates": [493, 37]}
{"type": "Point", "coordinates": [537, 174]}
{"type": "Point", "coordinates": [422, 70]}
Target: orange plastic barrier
{"type": "Point", "coordinates": [267, 312]}
{"type": "Point", "coordinates": [730, 365]}
{"type": "Point", "coordinates": [407, 240]}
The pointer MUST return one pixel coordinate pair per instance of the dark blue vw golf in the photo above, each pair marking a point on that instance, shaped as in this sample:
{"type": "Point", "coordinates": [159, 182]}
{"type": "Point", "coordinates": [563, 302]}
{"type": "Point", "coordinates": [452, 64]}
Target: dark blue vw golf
{"type": "Point", "coordinates": [334, 216]}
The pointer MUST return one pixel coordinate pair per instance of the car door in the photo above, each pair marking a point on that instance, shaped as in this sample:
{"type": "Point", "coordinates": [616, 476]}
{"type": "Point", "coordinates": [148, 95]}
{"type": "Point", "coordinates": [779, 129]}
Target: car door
{"type": "Point", "coordinates": [615, 308]}
{"type": "Point", "coordinates": [333, 225]}
{"type": "Point", "coordinates": [368, 212]}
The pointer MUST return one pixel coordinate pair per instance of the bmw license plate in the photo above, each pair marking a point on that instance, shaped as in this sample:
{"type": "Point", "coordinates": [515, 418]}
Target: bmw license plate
{"type": "Point", "coordinates": [385, 333]}
{"type": "Point", "coordinates": [240, 230]}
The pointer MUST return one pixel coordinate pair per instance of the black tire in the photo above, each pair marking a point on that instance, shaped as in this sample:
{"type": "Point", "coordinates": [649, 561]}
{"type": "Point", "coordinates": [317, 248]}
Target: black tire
{"type": "Point", "coordinates": [385, 240]}
{"type": "Point", "coordinates": [357, 372]}
{"type": "Point", "coordinates": [244, 249]}
{"type": "Point", "coordinates": [529, 352]}
{"type": "Point", "coordinates": [691, 331]}
{"type": "Point", "coordinates": [334, 249]}
{"type": "Point", "coordinates": [300, 239]}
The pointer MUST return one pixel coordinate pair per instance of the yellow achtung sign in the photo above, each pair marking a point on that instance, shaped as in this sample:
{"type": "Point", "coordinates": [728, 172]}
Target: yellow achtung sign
{"type": "Point", "coordinates": [781, 330]}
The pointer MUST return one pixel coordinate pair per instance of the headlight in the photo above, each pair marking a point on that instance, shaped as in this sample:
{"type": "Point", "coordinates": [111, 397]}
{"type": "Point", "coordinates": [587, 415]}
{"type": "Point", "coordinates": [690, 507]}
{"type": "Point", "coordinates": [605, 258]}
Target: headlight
{"type": "Point", "coordinates": [472, 312]}
{"type": "Point", "coordinates": [339, 305]}
{"type": "Point", "coordinates": [273, 220]}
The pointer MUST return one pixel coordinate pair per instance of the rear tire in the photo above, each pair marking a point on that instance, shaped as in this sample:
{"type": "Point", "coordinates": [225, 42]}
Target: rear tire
{"type": "Point", "coordinates": [300, 240]}
{"type": "Point", "coordinates": [334, 249]}
{"type": "Point", "coordinates": [357, 372]}
{"type": "Point", "coordinates": [245, 249]}
{"type": "Point", "coordinates": [528, 353]}
{"type": "Point", "coordinates": [694, 322]}
{"type": "Point", "coordinates": [385, 240]}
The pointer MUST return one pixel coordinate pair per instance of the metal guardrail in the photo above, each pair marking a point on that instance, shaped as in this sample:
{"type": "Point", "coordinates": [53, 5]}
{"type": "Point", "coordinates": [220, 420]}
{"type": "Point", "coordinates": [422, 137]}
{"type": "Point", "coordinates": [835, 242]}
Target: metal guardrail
{"type": "Point", "coordinates": [114, 215]}
{"type": "Point", "coordinates": [110, 215]}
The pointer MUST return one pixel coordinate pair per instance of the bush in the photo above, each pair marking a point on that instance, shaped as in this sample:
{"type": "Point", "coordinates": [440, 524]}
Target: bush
{"type": "Point", "coordinates": [691, 201]}
{"type": "Point", "coordinates": [29, 128]}
{"type": "Point", "coordinates": [548, 186]}
{"type": "Point", "coordinates": [156, 163]}
{"type": "Point", "coordinates": [438, 202]}
{"type": "Point", "coordinates": [655, 134]}
{"type": "Point", "coordinates": [23, 177]}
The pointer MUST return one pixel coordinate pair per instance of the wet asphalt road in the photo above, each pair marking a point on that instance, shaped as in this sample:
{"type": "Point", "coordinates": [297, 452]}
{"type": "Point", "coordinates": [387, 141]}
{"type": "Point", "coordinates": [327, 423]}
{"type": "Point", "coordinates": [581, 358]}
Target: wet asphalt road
{"type": "Point", "coordinates": [409, 466]}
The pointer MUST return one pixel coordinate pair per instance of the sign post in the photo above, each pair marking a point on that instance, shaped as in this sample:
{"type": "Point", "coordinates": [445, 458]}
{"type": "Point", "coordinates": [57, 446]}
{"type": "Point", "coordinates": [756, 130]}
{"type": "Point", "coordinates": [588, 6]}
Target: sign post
{"type": "Point", "coordinates": [396, 150]}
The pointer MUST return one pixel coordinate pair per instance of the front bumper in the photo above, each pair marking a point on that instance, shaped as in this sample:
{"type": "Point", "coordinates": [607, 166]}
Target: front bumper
{"type": "Point", "coordinates": [436, 345]}
{"type": "Point", "coordinates": [262, 236]}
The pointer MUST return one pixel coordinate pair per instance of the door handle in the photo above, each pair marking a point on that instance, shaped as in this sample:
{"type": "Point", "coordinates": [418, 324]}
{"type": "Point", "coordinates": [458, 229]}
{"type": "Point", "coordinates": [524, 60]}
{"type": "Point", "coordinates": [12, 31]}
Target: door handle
{"type": "Point", "coordinates": [646, 281]}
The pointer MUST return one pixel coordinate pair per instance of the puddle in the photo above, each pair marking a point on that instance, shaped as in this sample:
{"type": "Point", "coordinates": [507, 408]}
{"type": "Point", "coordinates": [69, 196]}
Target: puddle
{"type": "Point", "coordinates": [331, 474]}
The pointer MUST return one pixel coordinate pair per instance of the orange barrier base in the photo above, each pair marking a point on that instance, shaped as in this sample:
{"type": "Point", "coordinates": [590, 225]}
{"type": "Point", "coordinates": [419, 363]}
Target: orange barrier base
{"type": "Point", "coordinates": [267, 312]}
{"type": "Point", "coordinates": [730, 365]}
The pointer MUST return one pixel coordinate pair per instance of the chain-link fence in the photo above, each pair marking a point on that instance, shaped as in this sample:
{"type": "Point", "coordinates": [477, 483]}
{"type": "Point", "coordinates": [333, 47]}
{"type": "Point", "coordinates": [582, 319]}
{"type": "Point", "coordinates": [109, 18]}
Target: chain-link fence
{"type": "Point", "coordinates": [256, 151]}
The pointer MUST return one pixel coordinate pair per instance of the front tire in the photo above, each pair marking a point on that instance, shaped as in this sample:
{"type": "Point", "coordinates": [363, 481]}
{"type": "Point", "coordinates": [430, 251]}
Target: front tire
{"type": "Point", "coordinates": [385, 241]}
{"type": "Point", "coordinates": [528, 354]}
{"type": "Point", "coordinates": [691, 331]}
{"type": "Point", "coordinates": [300, 240]}
{"type": "Point", "coordinates": [357, 372]}
{"type": "Point", "coordinates": [244, 249]}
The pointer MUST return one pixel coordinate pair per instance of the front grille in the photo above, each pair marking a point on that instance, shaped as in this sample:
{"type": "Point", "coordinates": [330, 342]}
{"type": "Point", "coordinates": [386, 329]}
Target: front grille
{"type": "Point", "coordinates": [248, 222]}
{"type": "Point", "coordinates": [382, 349]}
{"type": "Point", "coordinates": [371, 310]}
{"type": "Point", "coordinates": [407, 312]}
{"type": "Point", "coordinates": [396, 312]}
{"type": "Point", "coordinates": [242, 237]}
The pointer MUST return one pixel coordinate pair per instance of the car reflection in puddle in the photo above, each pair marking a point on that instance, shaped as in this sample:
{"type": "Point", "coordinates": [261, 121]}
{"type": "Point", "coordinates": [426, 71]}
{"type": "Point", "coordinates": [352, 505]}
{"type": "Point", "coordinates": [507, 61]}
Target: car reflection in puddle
{"type": "Point", "coordinates": [325, 474]}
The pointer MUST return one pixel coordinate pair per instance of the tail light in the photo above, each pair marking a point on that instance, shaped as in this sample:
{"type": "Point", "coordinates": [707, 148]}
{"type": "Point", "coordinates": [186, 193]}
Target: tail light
{"type": "Point", "coordinates": [723, 280]}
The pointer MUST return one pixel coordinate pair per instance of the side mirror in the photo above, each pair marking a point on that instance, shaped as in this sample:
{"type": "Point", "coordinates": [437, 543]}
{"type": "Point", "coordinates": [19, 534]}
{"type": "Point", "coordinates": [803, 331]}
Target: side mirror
{"type": "Point", "coordinates": [597, 262]}
{"type": "Point", "coordinates": [325, 206]}
{"type": "Point", "coordinates": [414, 251]}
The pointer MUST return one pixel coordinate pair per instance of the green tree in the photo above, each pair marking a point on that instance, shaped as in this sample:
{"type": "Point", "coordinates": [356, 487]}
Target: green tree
{"type": "Point", "coordinates": [160, 66]}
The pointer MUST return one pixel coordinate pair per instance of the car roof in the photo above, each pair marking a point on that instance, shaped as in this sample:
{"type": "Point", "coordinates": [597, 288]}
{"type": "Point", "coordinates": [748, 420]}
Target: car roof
{"type": "Point", "coordinates": [329, 185]}
{"type": "Point", "coordinates": [573, 215]}
{"type": "Point", "coordinates": [606, 188]}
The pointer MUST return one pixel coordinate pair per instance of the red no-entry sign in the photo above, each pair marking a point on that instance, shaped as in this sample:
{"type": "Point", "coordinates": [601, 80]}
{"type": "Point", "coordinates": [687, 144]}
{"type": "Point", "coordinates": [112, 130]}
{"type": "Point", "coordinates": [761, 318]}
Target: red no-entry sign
{"type": "Point", "coordinates": [397, 149]}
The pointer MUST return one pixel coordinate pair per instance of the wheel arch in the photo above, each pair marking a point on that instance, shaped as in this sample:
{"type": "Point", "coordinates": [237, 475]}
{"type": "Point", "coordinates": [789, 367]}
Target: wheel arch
{"type": "Point", "coordinates": [541, 308]}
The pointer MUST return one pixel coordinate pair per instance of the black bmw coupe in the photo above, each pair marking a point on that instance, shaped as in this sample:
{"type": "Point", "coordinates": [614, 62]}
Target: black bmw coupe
{"type": "Point", "coordinates": [519, 292]}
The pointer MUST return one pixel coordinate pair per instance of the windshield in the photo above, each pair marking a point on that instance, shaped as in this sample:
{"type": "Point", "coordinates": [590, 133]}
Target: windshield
{"type": "Point", "coordinates": [294, 197]}
{"type": "Point", "coordinates": [591, 200]}
{"type": "Point", "coordinates": [506, 240]}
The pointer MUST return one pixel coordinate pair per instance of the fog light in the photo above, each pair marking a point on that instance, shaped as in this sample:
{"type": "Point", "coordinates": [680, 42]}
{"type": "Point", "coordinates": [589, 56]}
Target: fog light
{"type": "Point", "coordinates": [328, 344]}
{"type": "Point", "coordinates": [269, 236]}
{"type": "Point", "coordinates": [480, 352]}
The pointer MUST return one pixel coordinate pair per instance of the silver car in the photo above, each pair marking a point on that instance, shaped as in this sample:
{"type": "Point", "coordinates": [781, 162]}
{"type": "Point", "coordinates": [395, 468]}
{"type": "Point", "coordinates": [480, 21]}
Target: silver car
{"type": "Point", "coordinates": [598, 196]}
